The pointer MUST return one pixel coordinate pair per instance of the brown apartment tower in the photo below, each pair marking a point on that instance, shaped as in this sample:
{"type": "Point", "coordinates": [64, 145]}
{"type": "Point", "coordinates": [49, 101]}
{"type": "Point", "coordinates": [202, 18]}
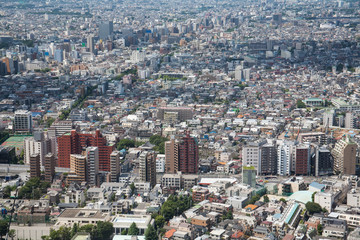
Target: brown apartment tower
{"type": "Point", "coordinates": [182, 155]}
{"type": "Point", "coordinates": [49, 167]}
{"type": "Point", "coordinates": [35, 165]}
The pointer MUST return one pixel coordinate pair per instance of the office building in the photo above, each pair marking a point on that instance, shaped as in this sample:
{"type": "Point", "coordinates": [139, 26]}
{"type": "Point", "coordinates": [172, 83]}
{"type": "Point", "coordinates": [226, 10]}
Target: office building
{"type": "Point", "coordinates": [251, 154]}
{"type": "Point", "coordinates": [59, 55]}
{"type": "Point", "coordinates": [90, 43]}
{"type": "Point", "coordinates": [147, 166]}
{"type": "Point", "coordinates": [302, 159]}
{"type": "Point", "coordinates": [92, 160]}
{"type": "Point", "coordinates": [238, 73]}
{"type": "Point", "coordinates": [329, 118]}
{"type": "Point", "coordinates": [323, 163]}
{"type": "Point", "coordinates": [73, 143]}
{"type": "Point", "coordinates": [171, 156]}
{"type": "Point", "coordinates": [184, 113]}
{"type": "Point", "coordinates": [349, 120]}
{"type": "Point", "coordinates": [188, 154]}
{"type": "Point", "coordinates": [344, 154]}
{"type": "Point", "coordinates": [35, 165]}
{"type": "Point", "coordinates": [49, 167]}
{"type": "Point", "coordinates": [115, 166]}
{"type": "Point", "coordinates": [105, 30]}
{"type": "Point", "coordinates": [268, 164]}
{"type": "Point", "coordinates": [249, 175]}
{"type": "Point", "coordinates": [23, 121]}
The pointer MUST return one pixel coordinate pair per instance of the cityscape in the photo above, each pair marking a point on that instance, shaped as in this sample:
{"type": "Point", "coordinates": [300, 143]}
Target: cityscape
{"type": "Point", "coordinates": [179, 120]}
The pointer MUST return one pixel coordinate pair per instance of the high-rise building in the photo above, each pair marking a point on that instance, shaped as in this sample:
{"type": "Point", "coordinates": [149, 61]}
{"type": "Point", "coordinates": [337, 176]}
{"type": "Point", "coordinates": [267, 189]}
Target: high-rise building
{"type": "Point", "coordinates": [249, 176]}
{"type": "Point", "coordinates": [105, 30]}
{"type": "Point", "coordinates": [77, 169]}
{"type": "Point", "coordinates": [251, 154]}
{"type": "Point", "coordinates": [90, 43]}
{"type": "Point", "coordinates": [36, 145]}
{"type": "Point", "coordinates": [115, 166]}
{"type": "Point", "coordinates": [73, 143]}
{"type": "Point", "coordinates": [302, 158]}
{"type": "Point", "coordinates": [268, 164]}
{"type": "Point", "coordinates": [344, 154]}
{"type": "Point", "coordinates": [285, 157]}
{"type": "Point", "coordinates": [238, 73]}
{"type": "Point", "coordinates": [49, 167]}
{"type": "Point", "coordinates": [147, 167]}
{"type": "Point", "coordinates": [349, 120]}
{"type": "Point", "coordinates": [329, 118]}
{"type": "Point", "coordinates": [323, 163]}
{"type": "Point", "coordinates": [188, 156]}
{"type": "Point", "coordinates": [23, 121]}
{"type": "Point", "coordinates": [35, 166]}
{"type": "Point", "coordinates": [171, 156]}
{"type": "Point", "coordinates": [92, 159]}
{"type": "Point", "coordinates": [59, 55]}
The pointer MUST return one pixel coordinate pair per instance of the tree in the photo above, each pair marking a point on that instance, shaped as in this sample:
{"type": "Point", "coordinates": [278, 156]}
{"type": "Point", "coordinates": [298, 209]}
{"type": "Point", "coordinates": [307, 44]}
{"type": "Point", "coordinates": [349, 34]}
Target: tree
{"type": "Point", "coordinates": [313, 196]}
{"type": "Point", "coordinates": [300, 104]}
{"type": "Point", "coordinates": [133, 188]}
{"type": "Point", "coordinates": [150, 233]}
{"type": "Point", "coordinates": [159, 221]}
{"type": "Point", "coordinates": [12, 234]}
{"type": "Point", "coordinates": [74, 230]}
{"type": "Point", "coordinates": [319, 229]}
{"type": "Point", "coordinates": [133, 230]}
{"type": "Point", "coordinates": [104, 230]}
{"type": "Point", "coordinates": [125, 144]}
{"type": "Point", "coordinates": [124, 232]}
{"type": "Point", "coordinates": [283, 200]}
{"type": "Point", "coordinates": [266, 199]}
{"type": "Point", "coordinates": [312, 207]}
{"type": "Point", "coordinates": [3, 228]}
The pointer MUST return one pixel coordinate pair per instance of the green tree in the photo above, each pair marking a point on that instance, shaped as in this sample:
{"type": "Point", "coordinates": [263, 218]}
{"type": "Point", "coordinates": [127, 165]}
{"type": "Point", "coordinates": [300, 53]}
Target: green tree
{"type": "Point", "coordinates": [3, 228]}
{"type": "Point", "coordinates": [300, 104]}
{"type": "Point", "coordinates": [133, 230]}
{"type": "Point", "coordinates": [266, 199]}
{"type": "Point", "coordinates": [125, 144]}
{"type": "Point", "coordinates": [74, 229]}
{"type": "Point", "coordinates": [312, 207]}
{"type": "Point", "coordinates": [159, 221]}
{"type": "Point", "coordinates": [12, 234]}
{"type": "Point", "coordinates": [319, 229]}
{"type": "Point", "coordinates": [124, 232]}
{"type": "Point", "coordinates": [132, 188]}
{"type": "Point", "coordinates": [150, 233]}
{"type": "Point", "coordinates": [104, 230]}
{"type": "Point", "coordinates": [283, 200]}
{"type": "Point", "coordinates": [313, 196]}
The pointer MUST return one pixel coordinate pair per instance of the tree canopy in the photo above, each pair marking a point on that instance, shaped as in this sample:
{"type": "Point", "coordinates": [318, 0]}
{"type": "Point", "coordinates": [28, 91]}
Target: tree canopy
{"type": "Point", "coordinates": [150, 233]}
{"type": "Point", "coordinates": [312, 207]}
{"type": "Point", "coordinates": [133, 230]}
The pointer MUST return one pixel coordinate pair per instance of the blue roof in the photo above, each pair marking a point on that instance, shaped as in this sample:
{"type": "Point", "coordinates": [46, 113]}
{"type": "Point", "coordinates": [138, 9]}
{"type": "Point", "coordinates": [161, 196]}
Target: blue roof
{"type": "Point", "coordinates": [277, 216]}
{"type": "Point", "coordinates": [90, 106]}
{"type": "Point", "coordinates": [292, 211]}
{"type": "Point", "coordinates": [34, 114]}
{"type": "Point", "coordinates": [317, 185]}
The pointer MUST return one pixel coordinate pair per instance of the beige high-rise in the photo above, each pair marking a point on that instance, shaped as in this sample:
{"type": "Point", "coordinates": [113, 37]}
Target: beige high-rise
{"type": "Point", "coordinates": [344, 154]}
{"type": "Point", "coordinates": [171, 156]}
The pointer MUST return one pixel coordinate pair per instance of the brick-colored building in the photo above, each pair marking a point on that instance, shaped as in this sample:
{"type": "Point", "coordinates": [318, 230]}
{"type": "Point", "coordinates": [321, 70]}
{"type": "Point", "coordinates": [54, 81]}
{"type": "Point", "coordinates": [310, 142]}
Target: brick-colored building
{"type": "Point", "coordinates": [74, 143]}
